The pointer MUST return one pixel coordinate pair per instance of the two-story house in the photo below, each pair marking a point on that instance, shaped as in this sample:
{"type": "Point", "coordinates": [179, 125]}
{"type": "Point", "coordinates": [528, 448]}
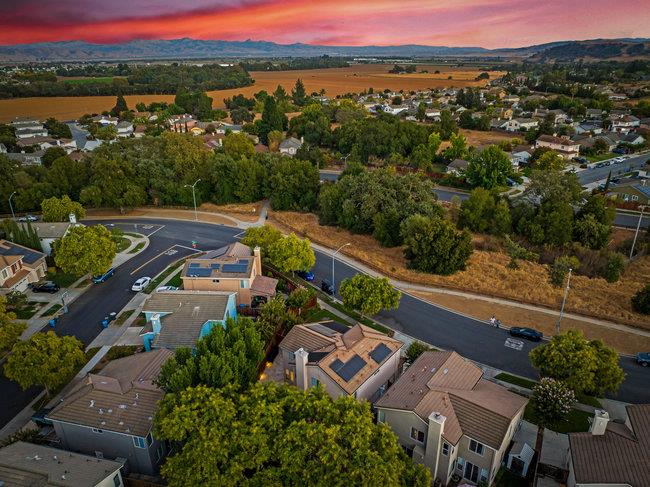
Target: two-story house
{"type": "Point", "coordinates": [347, 361]}
{"type": "Point", "coordinates": [50, 232]}
{"type": "Point", "coordinates": [290, 146]}
{"type": "Point", "coordinates": [567, 148]}
{"type": "Point", "coordinates": [110, 414]}
{"type": "Point", "coordinates": [19, 266]}
{"type": "Point", "coordinates": [181, 318]}
{"type": "Point", "coordinates": [519, 124]}
{"type": "Point", "coordinates": [450, 419]}
{"type": "Point", "coordinates": [233, 268]}
{"type": "Point", "coordinates": [612, 453]}
{"type": "Point", "coordinates": [26, 464]}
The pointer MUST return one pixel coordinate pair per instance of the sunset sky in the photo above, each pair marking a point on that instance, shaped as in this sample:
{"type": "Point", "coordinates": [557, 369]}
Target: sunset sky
{"type": "Point", "coordinates": [486, 23]}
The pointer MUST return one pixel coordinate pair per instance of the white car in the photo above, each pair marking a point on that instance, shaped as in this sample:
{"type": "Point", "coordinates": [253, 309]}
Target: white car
{"type": "Point", "coordinates": [166, 288]}
{"type": "Point", "coordinates": [140, 284]}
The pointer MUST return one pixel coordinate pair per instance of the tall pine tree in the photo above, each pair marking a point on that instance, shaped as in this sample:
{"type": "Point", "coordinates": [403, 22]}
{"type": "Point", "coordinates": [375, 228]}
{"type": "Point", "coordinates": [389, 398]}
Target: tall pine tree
{"type": "Point", "coordinates": [298, 94]}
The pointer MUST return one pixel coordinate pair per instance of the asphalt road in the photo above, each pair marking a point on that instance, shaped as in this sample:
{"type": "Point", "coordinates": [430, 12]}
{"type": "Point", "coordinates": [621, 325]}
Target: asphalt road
{"type": "Point", "coordinates": [631, 221]}
{"type": "Point", "coordinates": [424, 321]}
{"type": "Point", "coordinates": [600, 174]}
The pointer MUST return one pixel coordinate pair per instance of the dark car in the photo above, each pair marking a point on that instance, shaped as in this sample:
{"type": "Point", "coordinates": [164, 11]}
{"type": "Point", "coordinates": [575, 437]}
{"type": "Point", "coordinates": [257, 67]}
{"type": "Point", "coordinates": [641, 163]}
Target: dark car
{"type": "Point", "coordinates": [618, 150]}
{"type": "Point", "coordinates": [46, 287]}
{"type": "Point", "coordinates": [40, 417]}
{"type": "Point", "coordinates": [327, 287]}
{"type": "Point", "coordinates": [643, 359]}
{"type": "Point", "coordinates": [104, 276]}
{"type": "Point", "coordinates": [527, 333]}
{"type": "Point", "coordinates": [306, 275]}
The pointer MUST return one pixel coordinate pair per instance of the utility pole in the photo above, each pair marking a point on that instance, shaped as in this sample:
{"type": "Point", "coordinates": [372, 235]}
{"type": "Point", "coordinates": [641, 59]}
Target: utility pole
{"type": "Point", "coordinates": [566, 292]}
{"type": "Point", "coordinates": [193, 186]}
{"type": "Point", "coordinates": [333, 255]}
{"type": "Point", "coordinates": [636, 234]}
{"type": "Point", "coordinates": [13, 215]}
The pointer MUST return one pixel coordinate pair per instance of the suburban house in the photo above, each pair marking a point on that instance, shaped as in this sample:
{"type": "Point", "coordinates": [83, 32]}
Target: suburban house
{"type": "Point", "coordinates": [519, 124]}
{"type": "Point", "coordinates": [233, 268]}
{"type": "Point", "coordinates": [290, 146]}
{"type": "Point", "coordinates": [450, 419]}
{"type": "Point", "coordinates": [503, 113]}
{"type": "Point", "coordinates": [19, 266]}
{"type": "Point", "coordinates": [625, 123]}
{"type": "Point", "coordinates": [181, 318]}
{"type": "Point", "coordinates": [27, 464]}
{"type": "Point", "coordinates": [224, 127]}
{"type": "Point", "coordinates": [49, 232]}
{"type": "Point", "coordinates": [27, 158]}
{"type": "Point", "coordinates": [594, 113]}
{"type": "Point", "coordinates": [433, 114]}
{"type": "Point", "coordinates": [457, 166]}
{"type": "Point", "coordinates": [29, 128]}
{"type": "Point", "coordinates": [45, 143]}
{"type": "Point", "coordinates": [181, 123]}
{"type": "Point", "coordinates": [632, 139]}
{"type": "Point", "coordinates": [124, 129]}
{"type": "Point", "coordinates": [110, 414]}
{"type": "Point", "coordinates": [563, 146]}
{"type": "Point", "coordinates": [357, 361]}
{"type": "Point", "coordinates": [612, 453]}
{"type": "Point", "coordinates": [105, 120]}
{"type": "Point", "coordinates": [635, 192]}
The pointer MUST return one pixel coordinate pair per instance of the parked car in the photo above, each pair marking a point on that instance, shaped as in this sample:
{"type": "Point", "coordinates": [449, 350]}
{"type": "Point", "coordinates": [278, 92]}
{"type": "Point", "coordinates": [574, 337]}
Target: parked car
{"type": "Point", "coordinates": [306, 275]}
{"type": "Point", "coordinates": [28, 218]}
{"type": "Point", "coordinates": [166, 288]}
{"type": "Point", "coordinates": [618, 150]}
{"type": "Point", "coordinates": [46, 287]}
{"type": "Point", "coordinates": [140, 284]}
{"type": "Point", "coordinates": [527, 333]}
{"type": "Point", "coordinates": [104, 276]}
{"type": "Point", "coordinates": [327, 287]}
{"type": "Point", "coordinates": [40, 419]}
{"type": "Point", "coordinates": [643, 359]}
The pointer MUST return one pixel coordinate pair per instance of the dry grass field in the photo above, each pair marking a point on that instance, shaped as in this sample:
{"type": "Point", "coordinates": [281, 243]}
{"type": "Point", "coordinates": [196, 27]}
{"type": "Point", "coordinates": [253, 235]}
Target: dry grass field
{"type": "Point", "coordinates": [334, 81]}
{"type": "Point", "coordinates": [488, 274]}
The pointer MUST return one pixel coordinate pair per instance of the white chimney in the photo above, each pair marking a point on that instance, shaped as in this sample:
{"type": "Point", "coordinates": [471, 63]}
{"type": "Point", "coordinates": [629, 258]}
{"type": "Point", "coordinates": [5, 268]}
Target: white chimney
{"type": "Point", "coordinates": [434, 441]}
{"type": "Point", "coordinates": [599, 423]}
{"type": "Point", "coordinates": [257, 255]}
{"type": "Point", "coordinates": [301, 369]}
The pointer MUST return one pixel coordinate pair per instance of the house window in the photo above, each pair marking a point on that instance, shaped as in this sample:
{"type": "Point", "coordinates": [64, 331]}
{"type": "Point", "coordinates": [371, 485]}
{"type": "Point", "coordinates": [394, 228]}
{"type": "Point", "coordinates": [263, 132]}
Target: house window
{"type": "Point", "coordinates": [635, 197]}
{"type": "Point", "coordinates": [289, 375]}
{"type": "Point", "coordinates": [476, 447]}
{"type": "Point", "coordinates": [149, 439]}
{"type": "Point", "coordinates": [381, 416]}
{"type": "Point", "coordinates": [95, 430]}
{"type": "Point", "coordinates": [417, 435]}
{"type": "Point", "coordinates": [160, 451]}
{"type": "Point", "coordinates": [461, 462]}
{"type": "Point", "coordinates": [484, 475]}
{"type": "Point", "coordinates": [117, 482]}
{"type": "Point", "coordinates": [314, 382]}
{"type": "Point", "coordinates": [445, 449]}
{"type": "Point", "coordinates": [139, 442]}
{"type": "Point", "coordinates": [4, 273]}
{"type": "Point", "coordinates": [243, 283]}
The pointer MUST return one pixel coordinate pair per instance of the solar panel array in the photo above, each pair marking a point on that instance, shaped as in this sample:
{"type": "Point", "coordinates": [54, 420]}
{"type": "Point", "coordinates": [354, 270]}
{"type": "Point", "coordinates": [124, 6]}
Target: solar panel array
{"type": "Point", "coordinates": [195, 264]}
{"type": "Point", "coordinates": [349, 369]}
{"type": "Point", "coordinates": [234, 268]}
{"type": "Point", "coordinates": [379, 353]}
{"type": "Point", "coordinates": [215, 266]}
{"type": "Point", "coordinates": [30, 256]}
{"type": "Point", "coordinates": [199, 272]}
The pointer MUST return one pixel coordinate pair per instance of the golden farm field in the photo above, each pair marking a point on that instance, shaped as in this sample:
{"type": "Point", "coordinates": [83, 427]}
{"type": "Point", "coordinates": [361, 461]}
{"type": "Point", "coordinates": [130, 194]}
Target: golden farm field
{"type": "Point", "coordinates": [335, 81]}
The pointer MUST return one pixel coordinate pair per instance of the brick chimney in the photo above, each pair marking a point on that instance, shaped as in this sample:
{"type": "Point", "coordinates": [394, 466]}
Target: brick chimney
{"type": "Point", "coordinates": [257, 254]}
{"type": "Point", "coordinates": [301, 369]}
{"type": "Point", "coordinates": [599, 423]}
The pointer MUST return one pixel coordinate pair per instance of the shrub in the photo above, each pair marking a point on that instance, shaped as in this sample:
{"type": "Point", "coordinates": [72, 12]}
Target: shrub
{"type": "Point", "coordinates": [560, 269]}
{"type": "Point", "coordinates": [614, 267]}
{"type": "Point", "coordinates": [641, 300]}
{"type": "Point", "coordinates": [416, 349]}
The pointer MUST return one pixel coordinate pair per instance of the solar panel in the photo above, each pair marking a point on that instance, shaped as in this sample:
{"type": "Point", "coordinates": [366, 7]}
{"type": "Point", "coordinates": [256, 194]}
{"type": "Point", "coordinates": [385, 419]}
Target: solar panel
{"type": "Point", "coordinates": [336, 365]}
{"type": "Point", "coordinates": [243, 261]}
{"type": "Point", "coordinates": [235, 268]}
{"type": "Point", "coordinates": [200, 272]}
{"type": "Point", "coordinates": [380, 352]}
{"type": "Point", "coordinates": [29, 256]}
{"type": "Point", "coordinates": [215, 266]}
{"type": "Point", "coordinates": [195, 264]}
{"type": "Point", "coordinates": [350, 368]}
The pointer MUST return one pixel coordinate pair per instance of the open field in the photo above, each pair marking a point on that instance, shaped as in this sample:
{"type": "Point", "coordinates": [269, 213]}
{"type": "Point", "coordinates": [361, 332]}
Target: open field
{"type": "Point", "coordinates": [334, 81]}
{"type": "Point", "coordinates": [488, 274]}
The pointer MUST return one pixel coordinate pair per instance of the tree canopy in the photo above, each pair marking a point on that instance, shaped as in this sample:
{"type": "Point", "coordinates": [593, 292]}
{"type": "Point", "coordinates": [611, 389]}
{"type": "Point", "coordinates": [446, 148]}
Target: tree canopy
{"type": "Point", "coordinates": [85, 250]}
{"type": "Point", "coordinates": [278, 435]}
{"type": "Point", "coordinates": [291, 253]}
{"type": "Point", "coordinates": [368, 294]}
{"type": "Point", "coordinates": [59, 209]}
{"type": "Point", "coordinates": [489, 168]}
{"type": "Point", "coordinates": [10, 329]}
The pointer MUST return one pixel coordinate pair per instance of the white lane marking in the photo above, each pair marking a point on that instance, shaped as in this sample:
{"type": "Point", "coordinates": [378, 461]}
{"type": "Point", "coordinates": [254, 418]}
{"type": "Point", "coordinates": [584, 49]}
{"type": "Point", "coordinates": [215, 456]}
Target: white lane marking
{"type": "Point", "coordinates": [164, 252]}
{"type": "Point", "coordinates": [514, 344]}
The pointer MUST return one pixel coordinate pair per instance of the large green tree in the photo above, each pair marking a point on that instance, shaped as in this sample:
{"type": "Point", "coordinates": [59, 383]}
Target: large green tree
{"type": "Point", "coordinates": [85, 250]}
{"type": "Point", "coordinates": [59, 209]}
{"type": "Point", "coordinates": [272, 119]}
{"type": "Point", "coordinates": [298, 94]}
{"type": "Point", "coordinates": [278, 435]}
{"type": "Point", "coordinates": [583, 365]}
{"type": "Point", "coordinates": [551, 403]}
{"type": "Point", "coordinates": [489, 168]}
{"type": "Point", "coordinates": [262, 237]}
{"type": "Point", "coordinates": [484, 212]}
{"type": "Point", "coordinates": [229, 355]}
{"type": "Point", "coordinates": [368, 294]}
{"type": "Point", "coordinates": [434, 245]}
{"type": "Point", "coordinates": [44, 360]}
{"type": "Point", "coordinates": [641, 300]}
{"type": "Point", "coordinates": [10, 329]}
{"type": "Point", "coordinates": [291, 253]}
{"type": "Point", "coordinates": [293, 184]}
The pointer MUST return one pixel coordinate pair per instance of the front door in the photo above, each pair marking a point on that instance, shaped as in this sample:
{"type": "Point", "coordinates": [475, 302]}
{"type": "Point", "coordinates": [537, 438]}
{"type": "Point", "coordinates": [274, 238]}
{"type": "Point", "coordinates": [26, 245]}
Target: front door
{"type": "Point", "coordinates": [471, 472]}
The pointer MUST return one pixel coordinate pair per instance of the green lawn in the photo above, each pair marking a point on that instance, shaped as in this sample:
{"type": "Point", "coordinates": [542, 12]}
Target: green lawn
{"type": "Point", "coordinates": [171, 268]}
{"type": "Point", "coordinates": [123, 316]}
{"type": "Point", "coordinates": [601, 157]}
{"type": "Point", "coordinates": [576, 421]}
{"type": "Point", "coordinates": [52, 309]}
{"type": "Point", "coordinates": [122, 244]}
{"type": "Point", "coordinates": [137, 248]}
{"type": "Point", "coordinates": [317, 314]}
{"type": "Point", "coordinates": [61, 278]}
{"type": "Point", "coordinates": [176, 280]}
{"type": "Point", "coordinates": [27, 311]}
{"type": "Point", "coordinates": [505, 478]}
{"type": "Point", "coordinates": [529, 384]}
{"type": "Point", "coordinates": [80, 81]}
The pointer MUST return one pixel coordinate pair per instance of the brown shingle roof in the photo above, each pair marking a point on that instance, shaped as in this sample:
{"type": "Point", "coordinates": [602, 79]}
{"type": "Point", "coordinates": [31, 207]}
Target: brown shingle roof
{"type": "Point", "coordinates": [264, 285]}
{"type": "Point", "coordinates": [449, 384]}
{"type": "Point", "coordinates": [619, 456]}
{"type": "Point", "coordinates": [121, 398]}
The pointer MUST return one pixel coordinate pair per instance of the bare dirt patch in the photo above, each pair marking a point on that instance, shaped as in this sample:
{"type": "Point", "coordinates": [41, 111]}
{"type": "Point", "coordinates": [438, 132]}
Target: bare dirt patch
{"type": "Point", "coordinates": [488, 274]}
{"type": "Point", "coordinates": [335, 81]}
{"type": "Point", "coordinates": [246, 211]}
{"type": "Point", "coordinates": [179, 214]}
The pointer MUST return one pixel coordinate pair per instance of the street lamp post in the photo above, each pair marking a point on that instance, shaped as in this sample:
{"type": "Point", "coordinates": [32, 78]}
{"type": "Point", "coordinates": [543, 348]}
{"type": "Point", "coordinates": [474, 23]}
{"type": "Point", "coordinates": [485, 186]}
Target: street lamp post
{"type": "Point", "coordinates": [333, 255]}
{"type": "Point", "coordinates": [193, 186]}
{"type": "Point", "coordinates": [636, 234]}
{"type": "Point", "coordinates": [13, 215]}
{"type": "Point", "coordinates": [566, 292]}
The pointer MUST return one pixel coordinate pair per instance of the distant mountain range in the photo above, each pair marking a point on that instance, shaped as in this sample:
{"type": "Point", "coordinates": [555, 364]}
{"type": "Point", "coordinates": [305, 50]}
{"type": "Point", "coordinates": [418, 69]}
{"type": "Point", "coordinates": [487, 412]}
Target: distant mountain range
{"type": "Point", "coordinates": [200, 49]}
